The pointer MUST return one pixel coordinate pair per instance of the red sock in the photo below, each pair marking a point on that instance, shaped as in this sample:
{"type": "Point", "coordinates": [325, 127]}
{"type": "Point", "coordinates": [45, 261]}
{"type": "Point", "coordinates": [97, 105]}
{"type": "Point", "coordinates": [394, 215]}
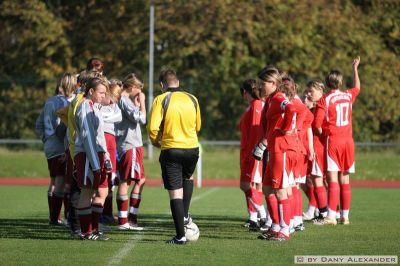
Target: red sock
{"type": "Point", "coordinates": [345, 196]}
{"type": "Point", "coordinates": [135, 200]}
{"type": "Point", "coordinates": [249, 198]}
{"type": "Point", "coordinates": [97, 210]}
{"type": "Point", "coordinates": [122, 205]}
{"type": "Point", "coordinates": [66, 209]}
{"type": "Point", "coordinates": [257, 197]}
{"type": "Point", "coordinates": [56, 204]}
{"type": "Point", "coordinates": [298, 199]}
{"type": "Point", "coordinates": [85, 219]}
{"type": "Point", "coordinates": [321, 196]}
{"type": "Point", "coordinates": [333, 195]}
{"type": "Point", "coordinates": [272, 205]}
{"type": "Point", "coordinates": [108, 205]}
{"type": "Point", "coordinates": [292, 204]}
{"type": "Point", "coordinates": [312, 201]}
{"type": "Point", "coordinates": [284, 216]}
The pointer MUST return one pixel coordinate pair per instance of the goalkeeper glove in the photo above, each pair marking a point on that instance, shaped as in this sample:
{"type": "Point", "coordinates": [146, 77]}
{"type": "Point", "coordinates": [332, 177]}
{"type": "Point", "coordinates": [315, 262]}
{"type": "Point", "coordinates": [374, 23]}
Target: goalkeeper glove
{"type": "Point", "coordinates": [258, 151]}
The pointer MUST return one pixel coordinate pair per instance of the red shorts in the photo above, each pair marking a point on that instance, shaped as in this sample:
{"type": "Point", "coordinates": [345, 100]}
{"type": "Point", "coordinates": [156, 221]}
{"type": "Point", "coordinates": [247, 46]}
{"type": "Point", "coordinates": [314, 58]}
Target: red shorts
{"type": "Point", "coordinates": [130, 166]}
{"type": "Point", "coordinates": [279, 172]}
{"type": "Point", "coordinates": [56, 166]}
{"type": "Point", "coordinates": [85, 177]}
{"type": "Point", "coordinates": [251, 171]}
{"type": "Point", "coordinates": [300, 171]}
{"type": "Point", "coordinates": [69, 168]}
{"type": "Point", "coordinates": [318, 167]}
{"type": "Point", "coordinates": [340, 155]}
{"type": "Point", "coordinates": [112, 150]}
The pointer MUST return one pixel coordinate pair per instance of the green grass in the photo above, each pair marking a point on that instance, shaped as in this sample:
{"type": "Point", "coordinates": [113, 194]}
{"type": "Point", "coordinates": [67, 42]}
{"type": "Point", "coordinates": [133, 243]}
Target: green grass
{"type": "Point", "coordinates": [218, 163]}
{"type": "Point", "coordinates": [26, 239]}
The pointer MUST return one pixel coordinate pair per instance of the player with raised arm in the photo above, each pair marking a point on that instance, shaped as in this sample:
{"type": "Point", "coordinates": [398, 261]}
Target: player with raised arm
{"type": "Point", "coordinates": [333, 119]}
{"type": "Point", "coordinates": [250, 169]}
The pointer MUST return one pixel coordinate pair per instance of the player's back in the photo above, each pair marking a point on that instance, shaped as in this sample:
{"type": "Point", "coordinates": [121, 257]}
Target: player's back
{"type": "Point", "coordinates": [338, 112]}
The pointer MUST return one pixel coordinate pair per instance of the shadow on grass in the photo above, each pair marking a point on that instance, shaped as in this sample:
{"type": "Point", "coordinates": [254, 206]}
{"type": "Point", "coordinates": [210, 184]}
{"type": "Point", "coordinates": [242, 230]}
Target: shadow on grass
{"type": "Point", "coordinates": [156, 226]}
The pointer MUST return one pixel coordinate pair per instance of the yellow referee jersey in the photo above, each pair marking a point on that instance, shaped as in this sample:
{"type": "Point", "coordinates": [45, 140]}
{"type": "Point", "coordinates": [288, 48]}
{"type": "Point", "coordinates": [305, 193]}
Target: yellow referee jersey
{"type": "Point", "coordinates": [175, 120]}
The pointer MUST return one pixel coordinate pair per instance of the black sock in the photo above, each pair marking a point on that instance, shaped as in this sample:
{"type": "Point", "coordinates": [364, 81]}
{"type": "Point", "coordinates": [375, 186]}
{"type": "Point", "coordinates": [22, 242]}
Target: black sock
{"type": "Point", "coordinates": [177, 214]}
{"type": "Point", "coordinates": [187, 195]}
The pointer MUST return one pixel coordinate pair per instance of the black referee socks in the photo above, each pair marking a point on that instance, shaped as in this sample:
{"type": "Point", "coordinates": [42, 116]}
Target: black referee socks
{"type": "Point", "coordinates": [187, 195]}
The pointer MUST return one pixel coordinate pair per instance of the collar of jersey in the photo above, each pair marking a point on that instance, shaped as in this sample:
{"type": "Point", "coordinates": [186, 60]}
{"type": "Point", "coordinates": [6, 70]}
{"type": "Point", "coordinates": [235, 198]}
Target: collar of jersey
{"type": "Point", "coordinates": [174, 89]}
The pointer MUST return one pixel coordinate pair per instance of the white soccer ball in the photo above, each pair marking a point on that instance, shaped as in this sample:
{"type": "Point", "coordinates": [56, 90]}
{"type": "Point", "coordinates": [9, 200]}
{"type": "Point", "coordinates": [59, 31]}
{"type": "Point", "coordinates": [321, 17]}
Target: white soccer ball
{"type": "Point", "coordinates": [192, 232]}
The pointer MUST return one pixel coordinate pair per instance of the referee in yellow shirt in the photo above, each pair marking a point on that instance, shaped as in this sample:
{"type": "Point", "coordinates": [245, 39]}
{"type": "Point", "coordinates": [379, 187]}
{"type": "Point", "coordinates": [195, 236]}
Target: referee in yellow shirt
{"type": "Point", "coordinates": [174, 123]}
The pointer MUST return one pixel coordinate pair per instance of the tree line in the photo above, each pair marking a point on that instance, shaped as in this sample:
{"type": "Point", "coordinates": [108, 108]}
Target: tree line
{"type": "Point", "coordinates": [213, 45]}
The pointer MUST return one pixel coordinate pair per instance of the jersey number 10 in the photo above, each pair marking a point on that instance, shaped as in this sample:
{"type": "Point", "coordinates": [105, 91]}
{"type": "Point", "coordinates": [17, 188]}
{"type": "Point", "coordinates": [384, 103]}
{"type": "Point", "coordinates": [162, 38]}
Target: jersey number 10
{"type": "Point", "coordinates": [342, 114]}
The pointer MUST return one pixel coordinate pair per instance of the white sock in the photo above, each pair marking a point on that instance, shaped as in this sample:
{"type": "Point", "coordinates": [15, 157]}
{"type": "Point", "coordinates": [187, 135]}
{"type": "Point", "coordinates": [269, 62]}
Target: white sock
{"type": "Point", "coordinates": [345, 214]}
{"type": "Point", "coordinates": [253, 216]}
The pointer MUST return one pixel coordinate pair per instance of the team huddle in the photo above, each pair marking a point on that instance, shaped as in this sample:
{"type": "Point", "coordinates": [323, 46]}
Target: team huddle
{"type": "Point", "coordinates": [91, 130]}
{"type": "Point", "coordinates": [93, 143]}
{"type": "Point", "coordinates": [291, 142]}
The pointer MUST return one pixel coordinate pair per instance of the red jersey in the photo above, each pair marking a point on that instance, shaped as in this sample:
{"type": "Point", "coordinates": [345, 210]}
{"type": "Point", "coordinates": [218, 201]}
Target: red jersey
{"type": "Point", "coordinates": [333, 112]}
{"type": "Point", "coordinates": [251, 129]}
{"type": "Point", "coordinates": [280, 116]}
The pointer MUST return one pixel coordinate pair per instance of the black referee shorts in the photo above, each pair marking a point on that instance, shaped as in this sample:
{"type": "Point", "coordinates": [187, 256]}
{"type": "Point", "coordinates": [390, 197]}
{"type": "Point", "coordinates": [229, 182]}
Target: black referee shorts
{"type": "Point", "coordinates": [177, 164]}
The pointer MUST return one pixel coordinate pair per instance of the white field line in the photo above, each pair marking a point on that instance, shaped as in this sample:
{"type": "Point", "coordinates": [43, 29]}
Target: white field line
{"type": "Point", "coordinates": [130, 245]}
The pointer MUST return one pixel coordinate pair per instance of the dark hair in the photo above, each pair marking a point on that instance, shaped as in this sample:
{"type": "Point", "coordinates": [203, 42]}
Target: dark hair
{"type": "Point", "coordinates": [168, 76]}
{"type": "Point", "coordinates": [96, 64]}
{"type": "Point", "coordinates": [94, 82]}
{"type": "Point", "coordinates": [250, 86]}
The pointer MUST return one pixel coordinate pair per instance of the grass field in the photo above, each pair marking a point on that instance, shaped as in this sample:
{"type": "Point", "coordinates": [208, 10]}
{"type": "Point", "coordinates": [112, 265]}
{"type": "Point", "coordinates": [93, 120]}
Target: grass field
{"type": "Point", "coordinates": [27, 239]}
{"type": "Point", "coordinates": [218, 163]}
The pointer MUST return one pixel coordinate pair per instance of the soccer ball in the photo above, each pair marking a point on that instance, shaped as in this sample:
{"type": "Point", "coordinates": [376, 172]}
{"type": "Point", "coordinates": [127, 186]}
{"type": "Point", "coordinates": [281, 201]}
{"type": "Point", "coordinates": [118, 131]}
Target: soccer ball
{"type": "Point", "coordinates": [192, 232]}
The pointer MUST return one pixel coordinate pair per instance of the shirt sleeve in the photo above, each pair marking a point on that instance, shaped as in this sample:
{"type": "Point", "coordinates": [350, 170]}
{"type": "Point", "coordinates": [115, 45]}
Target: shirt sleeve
{"type": "Point", "coordinates": [319, 113]}
{"type": "Point", "coordinates": [86, 119]}
{"type": "Point", "coordinates": [290, 110]}
{"type": "Point", "coordinates": [354, 93]}
{"type": "Point", "coordinates": [132, 112]}
{"type": "Point", "coordinates": [39, 126]}
{"type": "Point", "coordinates": [198, 118]}
{"type": "Point", "coordinates": [256, 131]}
{"type": "Point", "coordinates": [156, 117]}
{"type": "Point", "coordinates": [48, 112]}
{"type": "Point", "coordinates": [115, 116]}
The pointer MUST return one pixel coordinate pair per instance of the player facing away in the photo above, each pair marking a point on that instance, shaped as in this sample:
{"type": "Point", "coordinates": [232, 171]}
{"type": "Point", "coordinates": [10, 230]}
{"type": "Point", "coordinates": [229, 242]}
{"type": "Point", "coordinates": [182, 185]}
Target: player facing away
{"type": "Point", "coordinates": [130, 152]}
{"type": "Point", "coordinates": [111, 116]}
{"type": "Point", "coordinates": [281, 139]}
{"type": "Point", "coordinates": [48, 127]}
{"type": "Point", "coordinates": [333, 119]}
{"type": "Point", "coordinates": [316, 191]}
{"type": "Point", "coordinates": [90, 157]}
{"type": "Point", "coordinates": [250, 169]}
{"type": "Point", "coordinates": [174, 123]}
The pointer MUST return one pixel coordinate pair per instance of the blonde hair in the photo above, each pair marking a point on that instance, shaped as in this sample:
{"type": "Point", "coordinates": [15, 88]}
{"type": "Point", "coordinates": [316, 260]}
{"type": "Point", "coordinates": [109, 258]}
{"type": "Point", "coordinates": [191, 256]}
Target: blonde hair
{"type": "Point", "coordinates": [94, 82]}
{"type": "Point", "coordinates": [66, 85]}
{"type": "Point", "coordinates": [334, 79]}
{"type": "Point", "coordinates": [270, 73]}
{"type": "Point", "coordinates": [132, 80]}
{"type": "Point", "coordinates": [315, 84]}
{"type": "Point", "coordinates": [115, 92]}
